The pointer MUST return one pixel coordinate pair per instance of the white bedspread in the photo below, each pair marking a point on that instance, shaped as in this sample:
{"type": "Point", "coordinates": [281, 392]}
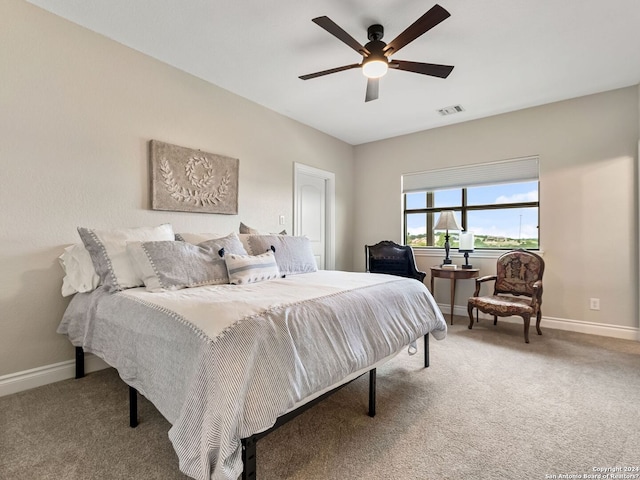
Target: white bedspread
{"type": "Point", "coordinates": [223, 362]}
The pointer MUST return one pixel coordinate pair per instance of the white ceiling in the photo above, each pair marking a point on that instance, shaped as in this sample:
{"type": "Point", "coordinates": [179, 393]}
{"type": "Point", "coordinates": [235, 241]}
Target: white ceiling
{"type": "Point", "coordinates": [508, 54]}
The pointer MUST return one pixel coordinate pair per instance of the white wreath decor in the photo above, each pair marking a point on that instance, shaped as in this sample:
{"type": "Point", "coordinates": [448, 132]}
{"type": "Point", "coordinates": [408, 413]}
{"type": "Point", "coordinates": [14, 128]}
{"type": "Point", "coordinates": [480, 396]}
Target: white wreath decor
{"type": "Point", "coordinates": [196, 196]}
{"type": "Point", "coordinates": [207, 177]}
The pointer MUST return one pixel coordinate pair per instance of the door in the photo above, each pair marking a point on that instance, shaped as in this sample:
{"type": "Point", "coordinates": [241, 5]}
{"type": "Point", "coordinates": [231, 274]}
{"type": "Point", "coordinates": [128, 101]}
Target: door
{"type": "Point", "coordinates": [314, 198]}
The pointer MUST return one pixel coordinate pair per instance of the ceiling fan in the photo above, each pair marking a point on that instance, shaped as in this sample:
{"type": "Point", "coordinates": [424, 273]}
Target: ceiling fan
{"type": "Point", "coordinates": [376, 53]}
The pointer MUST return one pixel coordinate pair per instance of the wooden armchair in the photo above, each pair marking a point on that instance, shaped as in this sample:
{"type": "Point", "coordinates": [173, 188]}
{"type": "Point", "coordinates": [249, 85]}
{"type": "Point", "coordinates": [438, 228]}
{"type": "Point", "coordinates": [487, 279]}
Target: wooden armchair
{"type": "Point", "coordinates": [393, 259]}
{"type": "Point", "coordinates": [519, 274]}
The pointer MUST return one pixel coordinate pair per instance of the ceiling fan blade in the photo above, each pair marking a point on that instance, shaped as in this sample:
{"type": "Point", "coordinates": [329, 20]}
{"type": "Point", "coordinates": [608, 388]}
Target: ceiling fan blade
{"type": "Point", "coordinates": [337, 31]}
{"type": "Point", "coordinates": [372, 89]}
{"type": "Point", "coordinates": [425, 23]}
{"type": "Point", "coordinates": [432, 69]}
{"type": "Point", "coordinates": [327, 72]}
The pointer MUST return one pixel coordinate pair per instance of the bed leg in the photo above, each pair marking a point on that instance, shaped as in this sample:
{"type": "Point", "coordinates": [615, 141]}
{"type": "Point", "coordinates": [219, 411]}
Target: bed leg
{"type": "Point", "coordinates": [79, 362]}
{"type": "Point", "coordinates": [249, 458]}
{"type": "Point", "coordinates": [133, 407]}
{"type": "Point", "coordinates": [426, 350]}
{"type": "Point", "coordinates": [372, 392]}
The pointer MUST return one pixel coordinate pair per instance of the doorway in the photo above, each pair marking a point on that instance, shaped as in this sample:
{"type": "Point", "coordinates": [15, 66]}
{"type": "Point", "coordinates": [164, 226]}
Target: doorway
{"type": "Point", "coordinates": [314, 211]}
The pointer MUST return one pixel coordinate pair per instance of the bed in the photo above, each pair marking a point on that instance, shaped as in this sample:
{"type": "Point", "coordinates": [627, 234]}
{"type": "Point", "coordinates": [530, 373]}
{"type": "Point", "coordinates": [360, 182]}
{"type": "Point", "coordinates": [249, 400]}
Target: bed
{"type": "Point", "coordinates": [224, 363]}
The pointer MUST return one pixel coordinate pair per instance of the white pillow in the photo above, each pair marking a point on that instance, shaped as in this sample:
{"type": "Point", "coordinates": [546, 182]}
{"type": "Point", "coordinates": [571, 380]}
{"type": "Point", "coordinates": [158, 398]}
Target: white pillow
{"type": "Point", "coordinates": [80, 276]}
{"type": "Point", "coordinates": [293, 254]}
{"type": "Point", "coordinates": [245, 269]}
{"type": "Point", "coordinates": [108, 250]}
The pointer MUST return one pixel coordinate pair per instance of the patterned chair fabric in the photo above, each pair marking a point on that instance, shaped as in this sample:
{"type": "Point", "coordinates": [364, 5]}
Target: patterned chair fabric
{"type": "Point", "coordinates": [517, 290]}
{"type": "Point", "coordinates": [393, 259]}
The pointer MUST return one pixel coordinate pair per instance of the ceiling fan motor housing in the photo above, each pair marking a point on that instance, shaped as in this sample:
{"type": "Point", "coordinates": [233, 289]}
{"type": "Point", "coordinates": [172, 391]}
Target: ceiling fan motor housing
{"type": "Point", "coordinates": [375, 64]}
{"type": "Point", "coordinates": [376, 48]}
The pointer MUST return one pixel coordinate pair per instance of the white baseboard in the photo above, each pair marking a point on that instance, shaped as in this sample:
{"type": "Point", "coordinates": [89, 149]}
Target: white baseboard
{"type": "Point", "coordinates": [579, 326]}
{"type": "Point", "coordinates": [36, 377]}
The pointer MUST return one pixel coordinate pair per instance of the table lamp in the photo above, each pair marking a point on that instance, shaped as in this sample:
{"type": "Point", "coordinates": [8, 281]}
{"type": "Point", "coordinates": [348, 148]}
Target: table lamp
{"type": "Point", "coordinates": [466, 246]}
{"type": "Point", "coordinates": [446, 222]}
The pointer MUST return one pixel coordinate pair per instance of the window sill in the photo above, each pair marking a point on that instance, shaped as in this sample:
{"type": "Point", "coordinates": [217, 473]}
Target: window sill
{"type": "Point", "coordinates": [439, 252]}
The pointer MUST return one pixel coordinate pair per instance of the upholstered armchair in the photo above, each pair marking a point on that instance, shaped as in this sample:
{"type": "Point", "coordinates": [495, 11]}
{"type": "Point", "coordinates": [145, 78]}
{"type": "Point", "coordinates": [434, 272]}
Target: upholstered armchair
{"type": "Point", "coordinates": [393, 259]}
{"type": "Point", "coordinates": [517, 290]}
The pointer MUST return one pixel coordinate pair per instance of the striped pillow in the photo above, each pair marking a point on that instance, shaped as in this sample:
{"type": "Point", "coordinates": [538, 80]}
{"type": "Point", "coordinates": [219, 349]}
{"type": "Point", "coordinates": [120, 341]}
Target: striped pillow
{"type": "Point", "coordinates": [251, 268]}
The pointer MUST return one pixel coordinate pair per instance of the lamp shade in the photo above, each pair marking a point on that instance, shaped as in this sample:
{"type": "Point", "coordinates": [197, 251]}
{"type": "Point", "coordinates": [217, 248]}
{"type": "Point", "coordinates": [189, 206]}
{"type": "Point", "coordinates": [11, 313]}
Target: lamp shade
{"type": "Point", "coordinates": [466, 242]}
{"type": "Point", "coordinates": [447, 221]}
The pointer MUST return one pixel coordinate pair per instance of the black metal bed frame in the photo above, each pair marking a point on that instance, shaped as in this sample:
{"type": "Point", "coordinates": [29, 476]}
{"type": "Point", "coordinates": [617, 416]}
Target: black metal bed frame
{"type": "Point", "coordinates": [249, 470]}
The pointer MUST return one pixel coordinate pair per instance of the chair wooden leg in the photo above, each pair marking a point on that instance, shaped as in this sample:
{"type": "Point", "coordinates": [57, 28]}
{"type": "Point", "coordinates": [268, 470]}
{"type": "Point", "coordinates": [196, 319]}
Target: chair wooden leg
{"type": "Point", "coordinates": [538, 318]}
{"type": "Point", "coordinates": [495, 319]}
{"type": "Point", "coordinates": [470, 310]}
{"type": "Point", "coordinates": [527, 322]}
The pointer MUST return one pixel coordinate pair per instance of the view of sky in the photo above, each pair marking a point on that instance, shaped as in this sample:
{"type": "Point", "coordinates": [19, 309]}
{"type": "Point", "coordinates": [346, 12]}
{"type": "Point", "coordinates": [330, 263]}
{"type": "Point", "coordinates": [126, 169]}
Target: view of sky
{"type": "Point", "coordinates": [512, 223]}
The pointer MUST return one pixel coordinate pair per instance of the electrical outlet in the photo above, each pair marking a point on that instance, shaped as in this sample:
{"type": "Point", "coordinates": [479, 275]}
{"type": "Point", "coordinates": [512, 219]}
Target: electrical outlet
{"type": "Point", "coordinates": [281, 219]}
{"type": "Point", "coordinates": [594, 303]}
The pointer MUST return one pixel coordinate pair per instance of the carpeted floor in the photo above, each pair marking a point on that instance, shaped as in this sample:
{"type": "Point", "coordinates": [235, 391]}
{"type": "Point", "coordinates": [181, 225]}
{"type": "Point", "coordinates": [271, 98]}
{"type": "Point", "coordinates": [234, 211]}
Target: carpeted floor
{"type": "Point", "coordinates": [488, 407]}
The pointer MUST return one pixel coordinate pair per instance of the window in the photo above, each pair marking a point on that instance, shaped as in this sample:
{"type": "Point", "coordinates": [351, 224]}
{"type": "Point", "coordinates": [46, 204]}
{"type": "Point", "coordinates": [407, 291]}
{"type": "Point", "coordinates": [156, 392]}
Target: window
{"type": "Point", "coordinates": [498, 202]}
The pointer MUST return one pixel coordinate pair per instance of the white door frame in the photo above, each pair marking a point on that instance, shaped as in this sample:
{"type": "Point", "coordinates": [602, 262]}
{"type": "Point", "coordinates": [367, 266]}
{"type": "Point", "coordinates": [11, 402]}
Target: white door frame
{"type": "Point", "coordinates": [330, 209]}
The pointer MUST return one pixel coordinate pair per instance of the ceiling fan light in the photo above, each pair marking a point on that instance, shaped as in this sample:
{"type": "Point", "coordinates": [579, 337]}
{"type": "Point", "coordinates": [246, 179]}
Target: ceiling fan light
{"type": "Point", "coordinates": [375, 68]}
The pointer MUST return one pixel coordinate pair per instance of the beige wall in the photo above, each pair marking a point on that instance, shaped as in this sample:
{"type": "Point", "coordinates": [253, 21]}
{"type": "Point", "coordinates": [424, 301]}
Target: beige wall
{"type": "Point", "coordinates": [588, 151]}
{"type": "Point", "coordinates": [76, 113]}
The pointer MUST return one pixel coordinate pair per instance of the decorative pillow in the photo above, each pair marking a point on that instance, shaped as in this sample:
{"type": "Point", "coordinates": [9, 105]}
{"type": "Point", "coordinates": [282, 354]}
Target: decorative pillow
{"type": "Point", "coordinates": [80, 276]}
{"type": "Point", "coordinates": [244, 238]}
{"type": "Point", "coordinates": [108, 250]}
{"type": "Point", "coordinates": [197, 238]}
{"type": "Point", "coordinates": [293, 254]}
{"type": "Point", "coordinates": [231, 243]}
{"type": "Point", "coordinates": [168, 265]}
{"type": "Point", "coordinates": [245, 229]}
{"type": "Point", "coordinates": [245, 269]}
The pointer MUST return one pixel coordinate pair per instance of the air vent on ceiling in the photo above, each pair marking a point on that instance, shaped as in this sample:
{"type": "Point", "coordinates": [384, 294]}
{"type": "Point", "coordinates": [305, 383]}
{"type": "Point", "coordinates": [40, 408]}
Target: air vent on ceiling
{"type": "Point", "coordinates": [450, 110]}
